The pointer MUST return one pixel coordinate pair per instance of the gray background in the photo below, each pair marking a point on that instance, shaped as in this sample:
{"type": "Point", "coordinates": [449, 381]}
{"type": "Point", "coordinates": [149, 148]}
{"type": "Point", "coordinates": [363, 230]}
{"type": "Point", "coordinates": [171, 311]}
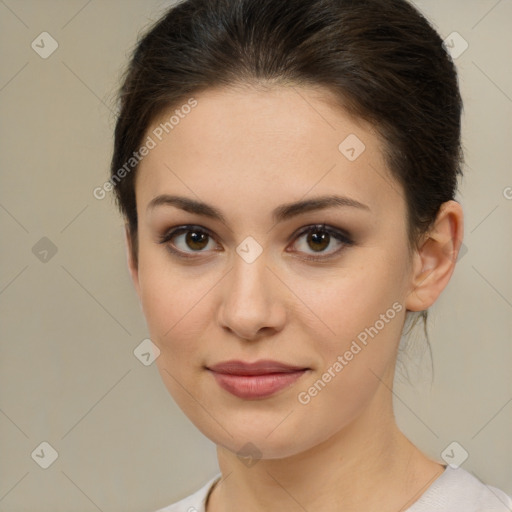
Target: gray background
{"type": "Point", "coordinates": [71, 320]}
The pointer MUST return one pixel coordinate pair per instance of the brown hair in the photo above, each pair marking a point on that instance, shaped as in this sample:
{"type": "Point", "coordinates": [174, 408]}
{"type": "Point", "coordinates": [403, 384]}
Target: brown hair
{"type": "Point", "coordinates": [381, 58]}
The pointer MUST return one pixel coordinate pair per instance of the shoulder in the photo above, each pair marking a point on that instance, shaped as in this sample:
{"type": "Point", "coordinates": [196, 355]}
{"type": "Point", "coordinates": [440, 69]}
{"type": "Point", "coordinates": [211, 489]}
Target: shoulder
{"type": "Point", "coordinates": [457, 490]}
{"type": "Point", "coordinates": [195, 502]}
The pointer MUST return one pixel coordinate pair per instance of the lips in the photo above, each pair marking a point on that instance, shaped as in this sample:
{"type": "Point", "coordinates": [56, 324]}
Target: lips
{"type": "Point", "coordinates": [256, 380]}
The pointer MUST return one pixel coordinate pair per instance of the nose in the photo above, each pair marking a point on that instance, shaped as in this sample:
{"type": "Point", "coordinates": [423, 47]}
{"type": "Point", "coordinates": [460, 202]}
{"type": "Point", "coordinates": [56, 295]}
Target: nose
{"type": "Point", "coordinates": [252, 302]}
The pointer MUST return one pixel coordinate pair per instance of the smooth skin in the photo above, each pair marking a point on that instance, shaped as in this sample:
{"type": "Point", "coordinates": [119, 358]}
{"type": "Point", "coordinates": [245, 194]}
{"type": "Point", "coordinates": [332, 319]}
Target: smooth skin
{"type": "Point", "coordinates": [246, 151]}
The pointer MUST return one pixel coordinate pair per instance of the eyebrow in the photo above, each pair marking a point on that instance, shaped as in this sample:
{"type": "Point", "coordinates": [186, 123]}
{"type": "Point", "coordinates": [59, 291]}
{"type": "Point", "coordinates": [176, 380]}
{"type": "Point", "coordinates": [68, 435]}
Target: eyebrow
{"type": "Point", "coordinates": [279, 214]}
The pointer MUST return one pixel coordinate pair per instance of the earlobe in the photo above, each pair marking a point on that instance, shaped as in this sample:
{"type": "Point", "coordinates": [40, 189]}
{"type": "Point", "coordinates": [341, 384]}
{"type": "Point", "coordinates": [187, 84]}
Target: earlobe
{"type": "Point", "coordinates": [435, 260]}
{"type": "Point", "coordinates": [132, 264]}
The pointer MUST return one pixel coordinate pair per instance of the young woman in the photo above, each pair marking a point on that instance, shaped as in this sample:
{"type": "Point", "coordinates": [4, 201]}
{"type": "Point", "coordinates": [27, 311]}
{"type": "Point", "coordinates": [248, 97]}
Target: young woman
{"type": "Point", "coordinates": [287, 172]}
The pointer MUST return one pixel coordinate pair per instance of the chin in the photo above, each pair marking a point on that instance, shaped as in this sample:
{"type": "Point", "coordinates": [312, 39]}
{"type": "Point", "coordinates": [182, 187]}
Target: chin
{"type": "Point", "coordinates": [256, 437]}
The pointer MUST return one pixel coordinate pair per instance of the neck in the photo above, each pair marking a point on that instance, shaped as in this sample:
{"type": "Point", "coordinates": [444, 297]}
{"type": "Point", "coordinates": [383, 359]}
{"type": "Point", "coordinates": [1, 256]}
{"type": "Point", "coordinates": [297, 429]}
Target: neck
{"type": "Point", "coordinates": [368, 465]}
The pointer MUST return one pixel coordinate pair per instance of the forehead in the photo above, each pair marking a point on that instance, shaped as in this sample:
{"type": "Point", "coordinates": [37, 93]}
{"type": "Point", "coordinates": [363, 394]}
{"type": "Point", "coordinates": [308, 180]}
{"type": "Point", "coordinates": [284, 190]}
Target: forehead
{"type": "Point", "coordinates": [246, 145]}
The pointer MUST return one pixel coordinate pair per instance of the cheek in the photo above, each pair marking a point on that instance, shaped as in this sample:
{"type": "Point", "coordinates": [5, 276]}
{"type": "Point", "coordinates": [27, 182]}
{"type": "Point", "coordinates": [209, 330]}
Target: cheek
{"type": "Point", "coordinates": [362, 316]}
{"type": "Point", "coordinates": [175, 307]}
{"type": "Point", "coordinates": [356, 298]}
{"type": "Point", "coordinates": [353, 362]}
{"type": "Point", "coordinates": [176, 312]}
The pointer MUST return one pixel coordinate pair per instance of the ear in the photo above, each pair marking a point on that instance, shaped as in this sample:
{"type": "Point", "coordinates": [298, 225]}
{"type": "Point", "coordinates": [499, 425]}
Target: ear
{"type": "Point", "coordinates": [435, 260]}
{"type": "Point", "coordinates": [132, 264]}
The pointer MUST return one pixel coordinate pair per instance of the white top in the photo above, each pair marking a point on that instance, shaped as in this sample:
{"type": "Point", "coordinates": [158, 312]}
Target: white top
{"type": "Point", "coordinates": [455, 490]}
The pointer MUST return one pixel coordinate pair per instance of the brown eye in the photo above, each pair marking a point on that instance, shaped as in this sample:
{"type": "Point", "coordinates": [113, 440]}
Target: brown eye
{"type": "Point", "coordinates": [187, 240]}
{"type": "Point", "coordinates": [196, 240]}
{"type": "Point", "coordinates": [318, 239]}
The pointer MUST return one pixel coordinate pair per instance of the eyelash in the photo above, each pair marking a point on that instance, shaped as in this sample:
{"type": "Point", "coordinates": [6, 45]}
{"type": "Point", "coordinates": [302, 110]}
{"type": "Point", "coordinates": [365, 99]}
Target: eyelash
{"type": "Point", "coordinates": [338, 235]}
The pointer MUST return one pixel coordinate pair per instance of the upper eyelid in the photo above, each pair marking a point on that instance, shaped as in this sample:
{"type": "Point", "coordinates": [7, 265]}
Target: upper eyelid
{"type": "Point", "coordinates": [322, 227]}
{"type": "Point", "coordinates": [178, 230]}
{"type": "Point", "coordinates": [297, 232]}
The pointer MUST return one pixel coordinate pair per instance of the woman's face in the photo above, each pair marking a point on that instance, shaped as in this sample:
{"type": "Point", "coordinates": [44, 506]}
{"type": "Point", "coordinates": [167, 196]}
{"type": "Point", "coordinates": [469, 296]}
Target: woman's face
{"type": "Point", "coordinates": [256, 279]}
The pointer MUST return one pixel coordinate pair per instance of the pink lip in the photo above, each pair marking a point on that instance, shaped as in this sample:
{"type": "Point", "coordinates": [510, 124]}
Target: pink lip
{"type": "Point", "coordinates": [255, 380]}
